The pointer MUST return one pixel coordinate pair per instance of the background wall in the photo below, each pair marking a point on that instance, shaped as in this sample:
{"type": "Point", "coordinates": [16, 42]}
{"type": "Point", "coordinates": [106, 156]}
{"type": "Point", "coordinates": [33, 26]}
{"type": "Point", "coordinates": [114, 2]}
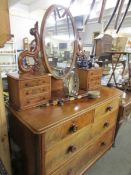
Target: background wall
{"type": "Point", "coordinates": [20, 27]}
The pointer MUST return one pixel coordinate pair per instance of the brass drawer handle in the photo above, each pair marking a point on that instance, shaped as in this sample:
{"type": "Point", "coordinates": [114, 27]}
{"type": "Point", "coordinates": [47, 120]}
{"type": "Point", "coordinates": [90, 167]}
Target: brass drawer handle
{"type": "Point", "coordinates": [103, 144]}
{"type": "Point", "coordinates": [109, 108]}
{"type": "Point", "coordinates": [73, 128]}
{"type": "Point", "coordinates": [71, 149]}
{"type": "Point", "coordinates": [106, 125]}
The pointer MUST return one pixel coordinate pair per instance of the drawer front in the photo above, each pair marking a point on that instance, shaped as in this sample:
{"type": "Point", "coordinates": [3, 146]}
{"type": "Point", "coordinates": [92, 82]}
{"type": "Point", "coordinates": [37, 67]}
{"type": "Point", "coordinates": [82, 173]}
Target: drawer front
{"type": "Point", "coordinates": [35, 82]}
{"type": "Point", "coordinates": [104, 124]}
{"type": "Point", "coordinates": [94, 78]}
{"type": "Point", "coordinates": [35, 100]}
{"type": "Point", "coordinates": [66, 129]}
{"type": "Point", "coordinates": [94, 85]}
{"type": "Point", "coordinates": [105, 109]}
{"type": "Point", "coordinates": [35, 90]}
{"type": "Point", "coordinates": [66, 149]}
{"type": "Point", "coordinates": [81, 161]}
{"type": "Point", "coordinates": [97, 72]}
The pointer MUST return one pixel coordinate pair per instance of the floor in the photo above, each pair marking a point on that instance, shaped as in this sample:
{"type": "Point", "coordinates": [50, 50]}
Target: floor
{"type": "Point", "coordinates": [116, 161]}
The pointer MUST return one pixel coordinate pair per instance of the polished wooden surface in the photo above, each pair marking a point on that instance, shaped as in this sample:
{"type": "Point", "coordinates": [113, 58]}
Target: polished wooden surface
{"type": "Point", "coordinates": [39, 119]}
{"type": "Point", "coordinates": [27, 91]}
{"type": "Point", "coordinates": [66, 139]}
{"type": "Point", "coordinates": [5, 34]}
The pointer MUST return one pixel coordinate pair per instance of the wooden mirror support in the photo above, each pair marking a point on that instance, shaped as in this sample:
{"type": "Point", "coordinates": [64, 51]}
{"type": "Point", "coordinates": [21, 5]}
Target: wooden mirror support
{"type": "Point", "coordinates": [58, 28]}
{"type": "Point", "coordinates": [33, 53]}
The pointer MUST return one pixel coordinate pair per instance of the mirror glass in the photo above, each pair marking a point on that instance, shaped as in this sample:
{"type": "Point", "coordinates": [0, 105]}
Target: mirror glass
{"type": "Point", "coordinates": [58, 39]}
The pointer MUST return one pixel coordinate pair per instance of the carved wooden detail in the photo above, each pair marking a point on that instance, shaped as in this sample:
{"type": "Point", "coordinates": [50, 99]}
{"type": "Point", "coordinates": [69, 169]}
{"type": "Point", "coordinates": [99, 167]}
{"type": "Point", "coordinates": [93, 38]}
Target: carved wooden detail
{"type": "Point", "coordinates": [23, 67]}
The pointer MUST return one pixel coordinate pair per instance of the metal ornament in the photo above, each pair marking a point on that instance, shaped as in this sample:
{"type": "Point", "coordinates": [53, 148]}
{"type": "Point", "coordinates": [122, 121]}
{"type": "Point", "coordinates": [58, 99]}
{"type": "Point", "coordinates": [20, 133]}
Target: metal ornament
{"type": "Point", "coordinates": [71, 84]}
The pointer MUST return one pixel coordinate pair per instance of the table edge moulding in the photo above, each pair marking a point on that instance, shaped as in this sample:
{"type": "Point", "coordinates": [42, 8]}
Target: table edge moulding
{"type": "Point", "coordinates": [54, 115]}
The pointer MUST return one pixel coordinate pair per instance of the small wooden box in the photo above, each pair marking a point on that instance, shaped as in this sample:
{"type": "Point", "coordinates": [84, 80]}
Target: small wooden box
{"type": "Point", "coordinates": [103, 45]}
{"type": "Point", "coordinates": [90, 79]}
{"type": "Point", "coordinates": [28, 90]}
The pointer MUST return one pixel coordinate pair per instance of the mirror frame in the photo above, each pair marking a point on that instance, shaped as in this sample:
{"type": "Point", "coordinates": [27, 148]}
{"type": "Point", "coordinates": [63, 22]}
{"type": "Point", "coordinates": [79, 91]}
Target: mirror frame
{"type": "Point", "coordinates": [43, 49]}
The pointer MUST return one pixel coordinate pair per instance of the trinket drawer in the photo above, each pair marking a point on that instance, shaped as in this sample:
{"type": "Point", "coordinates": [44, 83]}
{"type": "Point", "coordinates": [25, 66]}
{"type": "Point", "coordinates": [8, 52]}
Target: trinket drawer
{"type": "Point", "coordinates": [26, 91]}
{"type": "Point", "coordinates": [68, 139]}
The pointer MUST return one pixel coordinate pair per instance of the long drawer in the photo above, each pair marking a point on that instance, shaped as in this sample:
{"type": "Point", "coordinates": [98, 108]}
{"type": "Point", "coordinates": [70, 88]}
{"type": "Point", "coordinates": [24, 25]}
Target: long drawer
{"type": "Point", "coordinates": [56, 134]}
{"type": "Point", "coordinates": [105, 109]}
{"type": "Point", "coordinates": [86, 157]}
{"type": "Point", "coordinates": [64, 150]}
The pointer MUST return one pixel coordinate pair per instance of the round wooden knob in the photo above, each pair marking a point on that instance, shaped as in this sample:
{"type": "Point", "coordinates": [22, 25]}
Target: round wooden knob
{"type": "Point", "coordinates": [26, 84]}
{"type": "Point", "coordinates": [106, 125]}
{"type": "Point", "coordinates": [70, 172]}
{"type": "Point", "coordinates": [27, 93]}
{"type": "Point", "coordinates": [109, 108]}
{"type": "Point", "coordinates": [103, 144]}
{"type": "Point", "coordinates": [71, 149]}
{"type": "Point", "coordinates": [73, 128]}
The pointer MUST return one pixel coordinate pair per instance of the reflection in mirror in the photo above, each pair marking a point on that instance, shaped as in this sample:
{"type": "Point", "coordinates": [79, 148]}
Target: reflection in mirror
{"type": "Point", "coordinates": [58, 40]}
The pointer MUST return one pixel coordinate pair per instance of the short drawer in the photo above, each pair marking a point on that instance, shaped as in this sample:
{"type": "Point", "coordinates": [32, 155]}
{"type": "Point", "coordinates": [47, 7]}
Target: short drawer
{"type": "Point", "coordinates": [67, 148]}
{"type": "Point", "coordinates": [56, 134]}
{"type": "Point", "coordinates": [35, 82]}
{"type": "Point", "coordinates": [35, 90]}
{"type": "Point", "coordinates": [84, 159]}
{"type": "Point", "coordinates": [104, 124]}
{"type": "Point", "coordinates": [107, 108]}
{"type": "Point", "coordinates": [95, 72]}
{"type": "Point", "coordinates": [35, 100]}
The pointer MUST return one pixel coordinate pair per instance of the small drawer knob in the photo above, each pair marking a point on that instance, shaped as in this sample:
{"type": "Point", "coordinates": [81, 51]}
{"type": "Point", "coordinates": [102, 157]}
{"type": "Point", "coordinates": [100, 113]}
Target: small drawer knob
{"type": "Point", "coordinates": [109, 108]}
{"type": "Point", "coordinates": [71, 149]}
{"type": "Point", "coordinates": [103, 144]}
{"type": "Point", "coordinates": [106, 125]}
{"type": "Point", "coordinates": [26, 84]}
{"type": "Point", "coordinates": [70, 172]}
{"type": "Point", "coordinates": [73, 128]}
{"type": "Point", "coordinates": [27, 93]}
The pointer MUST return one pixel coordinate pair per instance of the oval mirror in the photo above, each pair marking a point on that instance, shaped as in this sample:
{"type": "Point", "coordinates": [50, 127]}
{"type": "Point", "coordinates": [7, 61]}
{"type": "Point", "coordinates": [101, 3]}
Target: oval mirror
{"type": "Point", "coordinates": [58, 41]}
